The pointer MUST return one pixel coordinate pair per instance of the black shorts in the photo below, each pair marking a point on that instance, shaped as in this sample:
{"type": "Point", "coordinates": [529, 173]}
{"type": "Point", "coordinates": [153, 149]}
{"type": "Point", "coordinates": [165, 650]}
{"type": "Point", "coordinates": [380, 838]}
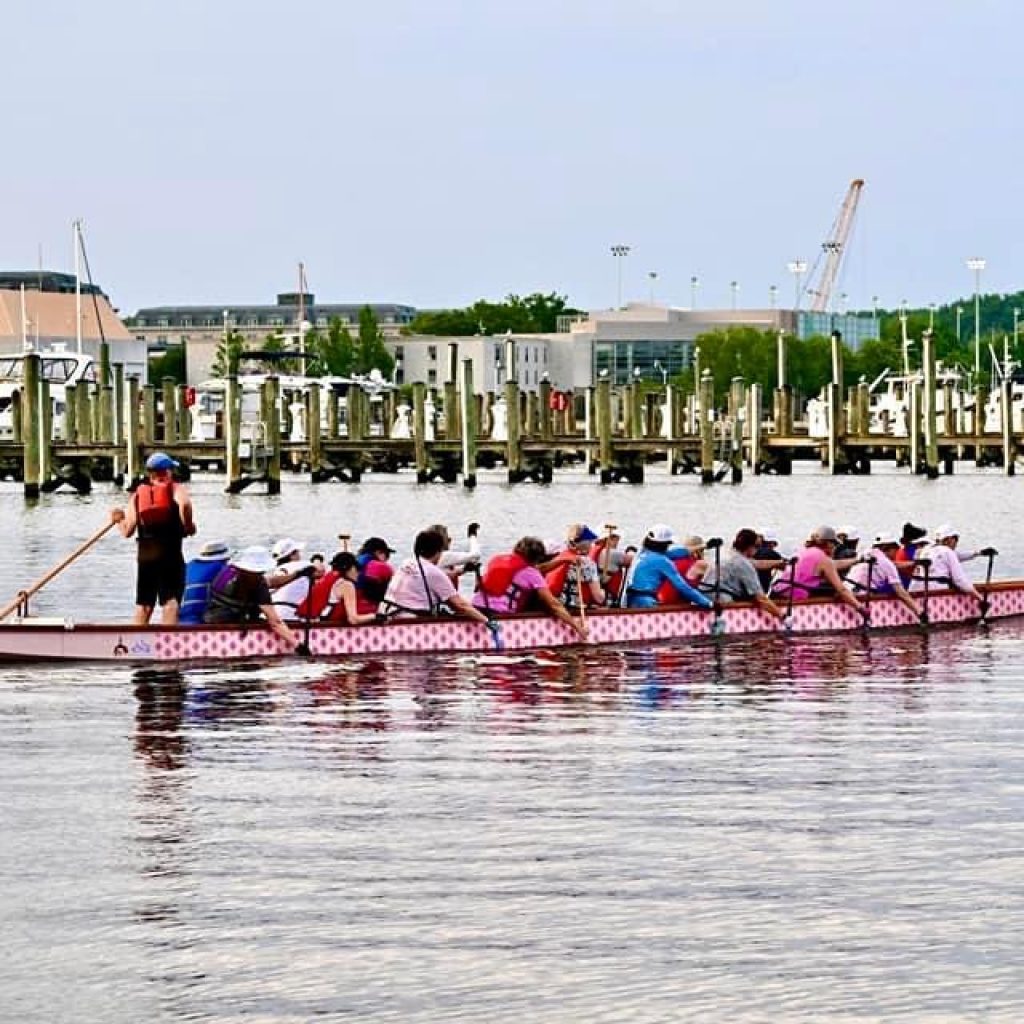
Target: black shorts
{"type": "Point", "coordinates": [160, 581]}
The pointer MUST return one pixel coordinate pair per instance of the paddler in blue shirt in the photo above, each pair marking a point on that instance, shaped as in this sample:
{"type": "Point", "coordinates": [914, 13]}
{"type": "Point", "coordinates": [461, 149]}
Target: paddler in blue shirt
{"type": "Point", "coordinates": [651, 567]}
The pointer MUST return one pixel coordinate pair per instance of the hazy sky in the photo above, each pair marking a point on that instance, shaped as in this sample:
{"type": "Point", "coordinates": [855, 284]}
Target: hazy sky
{"type": "Point", "coordinates": [437, 151]}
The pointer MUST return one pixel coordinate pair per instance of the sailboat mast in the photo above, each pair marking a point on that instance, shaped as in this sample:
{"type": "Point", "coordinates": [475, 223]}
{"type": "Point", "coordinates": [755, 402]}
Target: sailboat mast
{"type": "Point", "coordinates": [77, 225]}
{"type": "Point", "coordinates": [24, 321]}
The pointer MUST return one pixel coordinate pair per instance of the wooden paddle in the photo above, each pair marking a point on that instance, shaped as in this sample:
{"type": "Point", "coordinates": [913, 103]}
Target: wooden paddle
{"type": "Point", "coordinates": [606, 553]}
{"type": "Point", "coordinates": [990, 554]}
{"type": "Point", "coordinates": [871, 560]}
{"type": "Point", "coordinates": [927, 563]}
{"type": "Point", "coordinates": [717, 625]}
{"type": "Point", "coordinates": [579, 591]}
{"type": "Point", "coordinates": [343, 539]}
{"type": "Point", "coordinates": [21, 599]}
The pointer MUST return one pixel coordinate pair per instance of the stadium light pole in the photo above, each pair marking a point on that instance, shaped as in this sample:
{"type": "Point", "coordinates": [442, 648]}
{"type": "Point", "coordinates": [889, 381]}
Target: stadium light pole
{"type": "Point", "coordinates": [694, 282]}
{"type": "Point", "coordinates": [620, 252]}
{"type": "Point", "coordinates": [977, 265]}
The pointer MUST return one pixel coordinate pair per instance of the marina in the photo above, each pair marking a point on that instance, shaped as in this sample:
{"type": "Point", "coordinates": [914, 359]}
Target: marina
{"type": "Point", "coordinates": [258, 429]}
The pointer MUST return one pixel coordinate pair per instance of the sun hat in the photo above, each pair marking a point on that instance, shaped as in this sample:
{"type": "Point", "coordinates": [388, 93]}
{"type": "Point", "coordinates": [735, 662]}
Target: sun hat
{"type": "Point", "coordinates": [768, 535]}
{"type": "Point", "coordinates": [694, 542]}
{"type": "Point", "coordinates": [286, 547]}
{"type": "Point", "coordinates": [160, 460]}
{"type": "Point", "coordinates": [824, 533]}
{"type": "Point", "coordinates": [886, 540]}
{"type": "Point", "coordinates": [254, 559]}
{"type": "Point", "coordinates": [945, 530]}
{"type": "Point", "coordinates": [213, 551]}
{"type": "Point", "coordinates": [912, 533]}
{"type": "Point", "coordinates": [661, 534]}
{"type": "Point", "coordinates": [849, 532]}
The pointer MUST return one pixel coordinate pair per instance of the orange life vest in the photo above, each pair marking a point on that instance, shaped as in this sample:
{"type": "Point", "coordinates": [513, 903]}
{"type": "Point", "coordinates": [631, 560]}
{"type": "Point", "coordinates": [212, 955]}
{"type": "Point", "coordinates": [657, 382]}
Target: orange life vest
{"type": "Point", "coordinates": [154, 504]}
{"type": "Point", "coordinates": [500, 571]}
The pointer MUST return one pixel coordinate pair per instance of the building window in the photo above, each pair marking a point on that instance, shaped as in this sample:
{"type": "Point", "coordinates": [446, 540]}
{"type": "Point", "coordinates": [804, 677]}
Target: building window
{"type": "Point", "coordinates": [252, 321]}
{"type": "Point", "coordinates": [432, 353]}
{"type": "Point", "coordinates": [163, 322]}
{"type": "Point", "coordinates": [186, 321]}
{"type": "Point", "coordinates": [431, 377]}
{"type": "Point", "coordinates": [277, 321]}
{"type": "Point", "coordinates": [140, 321]}
{"type": "Point", "coordinates": [399, 352]}
{"type": "Point", "coordinates": [208, 321]}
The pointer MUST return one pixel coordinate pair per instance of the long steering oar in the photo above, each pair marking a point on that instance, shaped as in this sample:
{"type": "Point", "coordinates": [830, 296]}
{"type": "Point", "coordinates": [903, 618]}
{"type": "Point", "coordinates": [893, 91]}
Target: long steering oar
{"type": "Point", "coordinates": [21, 600]}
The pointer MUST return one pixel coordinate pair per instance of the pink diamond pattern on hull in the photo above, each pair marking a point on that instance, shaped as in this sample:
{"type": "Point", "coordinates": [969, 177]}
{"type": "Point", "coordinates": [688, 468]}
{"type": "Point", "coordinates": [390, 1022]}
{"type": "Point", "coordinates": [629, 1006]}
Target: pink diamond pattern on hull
{"type": "Point", "coordinates": [43, 641]}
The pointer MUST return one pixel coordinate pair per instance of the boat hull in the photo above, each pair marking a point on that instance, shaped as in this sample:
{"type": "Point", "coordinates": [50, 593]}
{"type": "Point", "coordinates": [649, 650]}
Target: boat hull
{"type": "Point", "coordinates": [63, 640]}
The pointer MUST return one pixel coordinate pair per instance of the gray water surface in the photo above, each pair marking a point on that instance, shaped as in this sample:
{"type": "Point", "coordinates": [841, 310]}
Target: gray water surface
{"type": "Point", "coordinates": [761, 830]}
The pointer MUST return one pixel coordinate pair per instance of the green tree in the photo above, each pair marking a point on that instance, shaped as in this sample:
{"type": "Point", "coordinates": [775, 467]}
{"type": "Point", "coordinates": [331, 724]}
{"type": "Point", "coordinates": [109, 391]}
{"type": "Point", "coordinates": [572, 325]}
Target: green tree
{"type": "Point", "coordinates": [536, 313]}
{"type": "Point", "coordinates": [371, 353]}
{"type": "Point", "coordinates": [334, 351]}
{"type": "Point", "coordinates": [229, 352]}
{"type": "Point", "coordinates": [170, 363]}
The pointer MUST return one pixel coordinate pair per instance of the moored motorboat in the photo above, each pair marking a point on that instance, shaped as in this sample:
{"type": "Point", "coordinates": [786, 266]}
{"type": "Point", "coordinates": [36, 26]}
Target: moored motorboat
{"type": "Point", "coordinates": [58, 639]}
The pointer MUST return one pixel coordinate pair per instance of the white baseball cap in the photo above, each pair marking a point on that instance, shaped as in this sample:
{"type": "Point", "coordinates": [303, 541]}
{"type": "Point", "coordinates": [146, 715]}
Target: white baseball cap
{"type": "Point", "coordinates": [661, 534]}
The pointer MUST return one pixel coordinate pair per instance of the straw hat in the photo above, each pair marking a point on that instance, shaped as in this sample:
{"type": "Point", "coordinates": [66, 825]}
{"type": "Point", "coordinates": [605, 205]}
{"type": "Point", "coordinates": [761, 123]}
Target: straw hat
{"type": "Point", "coordinates": [213, 551]}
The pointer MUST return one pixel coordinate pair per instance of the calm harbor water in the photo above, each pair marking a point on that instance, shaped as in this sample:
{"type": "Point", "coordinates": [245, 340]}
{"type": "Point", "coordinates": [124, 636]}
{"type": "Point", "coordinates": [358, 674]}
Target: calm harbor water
{"type": "Point", "coordinates": [759, 830]}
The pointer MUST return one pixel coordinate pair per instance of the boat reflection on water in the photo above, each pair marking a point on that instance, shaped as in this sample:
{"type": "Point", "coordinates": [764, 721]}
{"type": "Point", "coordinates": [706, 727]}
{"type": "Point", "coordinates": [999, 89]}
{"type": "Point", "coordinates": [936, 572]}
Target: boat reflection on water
{"type": "Point", "coordinates": [159, 737]}
{"type": "Point", "coordinates": [430, 693]}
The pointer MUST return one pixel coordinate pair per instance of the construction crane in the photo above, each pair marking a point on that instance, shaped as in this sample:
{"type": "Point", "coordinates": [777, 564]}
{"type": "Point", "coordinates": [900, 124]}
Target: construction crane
{"type": "Point", "coordinates": [833, 250]}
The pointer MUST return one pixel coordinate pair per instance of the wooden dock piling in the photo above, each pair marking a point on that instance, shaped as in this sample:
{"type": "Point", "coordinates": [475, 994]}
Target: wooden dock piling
{"type": "Point", "coordinates": [31, 427]}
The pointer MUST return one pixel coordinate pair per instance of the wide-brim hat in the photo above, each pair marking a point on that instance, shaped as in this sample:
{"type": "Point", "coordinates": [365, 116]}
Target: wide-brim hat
{"type": "Point", "coordinates": [912, 533]}
{"type": "Point", "coordinates": [945, 530]}
{"type": "Point", "coordinates": [286, 547]}
{"type": "Point", "coordinates": [254, 559]}
{"type": "Point", "coordinates": [694, 542]}
{"type": "Point", "coordinates": [213, 551]}
{"type": "Point", "coordinates": [886, 540]}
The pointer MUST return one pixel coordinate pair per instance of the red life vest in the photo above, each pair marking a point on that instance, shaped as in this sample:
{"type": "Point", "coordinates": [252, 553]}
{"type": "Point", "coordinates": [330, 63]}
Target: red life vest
{"type": "Point", "coordinates": [500, 571]}
{"type": "Point", "coordinates": [336, 614]}
{"type": "Point", "coordinates": [666, 593]}
{"type": "Point", "coordinates": [312, 605]}
{"type": "Point", "coordinates": [155, 507]}
{"type": "Point", "coordinates": [555, 577]}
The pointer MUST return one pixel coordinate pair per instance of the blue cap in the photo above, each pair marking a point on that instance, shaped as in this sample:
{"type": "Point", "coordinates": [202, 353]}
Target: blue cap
{"type": "Point", "coordinates": [160, 460]}
{"type": "Point", "coordinates": [584, 533]}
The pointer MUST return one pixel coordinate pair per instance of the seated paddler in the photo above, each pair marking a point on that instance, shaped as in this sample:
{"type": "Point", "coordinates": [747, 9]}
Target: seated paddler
{"type": "Point", "coordinates": [652, 567]}
{"type": "Point", "coordinates": [421, 587]}
{"type": "Point", "coordinates": [239, 594]}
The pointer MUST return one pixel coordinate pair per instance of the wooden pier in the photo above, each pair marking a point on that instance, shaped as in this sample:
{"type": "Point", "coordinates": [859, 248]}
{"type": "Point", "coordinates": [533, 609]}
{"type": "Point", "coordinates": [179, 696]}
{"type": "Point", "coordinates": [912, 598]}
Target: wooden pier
{"type": "Point", "coordinates": [618, 433]}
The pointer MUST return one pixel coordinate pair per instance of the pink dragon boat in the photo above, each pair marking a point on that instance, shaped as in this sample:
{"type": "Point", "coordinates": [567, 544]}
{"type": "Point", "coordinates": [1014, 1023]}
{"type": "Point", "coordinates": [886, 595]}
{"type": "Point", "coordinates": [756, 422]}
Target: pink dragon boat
{"type": "Point", "coordinates": [54, 639]}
